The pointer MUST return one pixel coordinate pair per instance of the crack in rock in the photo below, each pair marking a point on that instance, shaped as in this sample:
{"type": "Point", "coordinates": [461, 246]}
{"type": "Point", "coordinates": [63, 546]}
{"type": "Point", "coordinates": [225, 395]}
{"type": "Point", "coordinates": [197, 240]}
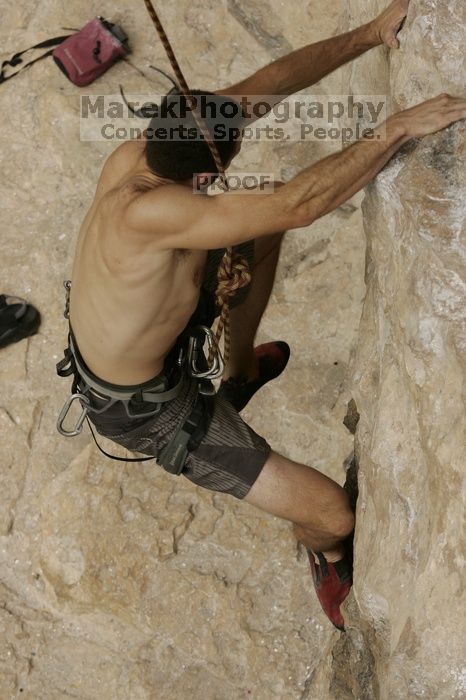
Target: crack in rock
{"type": "Point", "coordinates": [181, 529]}
{"type": "Point", "coordinates": [255, 19]}
{"type": "Point", "coordinates": [8, 414]}
{"type": "Point", "coordinates": [35, 425]}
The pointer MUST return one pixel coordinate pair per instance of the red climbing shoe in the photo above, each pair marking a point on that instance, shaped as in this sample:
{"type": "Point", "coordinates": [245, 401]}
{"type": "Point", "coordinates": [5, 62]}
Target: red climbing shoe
{"type": "Point", "coordinates": [273, 358]}
{"type": "Point", "coordinates": [332, 582]}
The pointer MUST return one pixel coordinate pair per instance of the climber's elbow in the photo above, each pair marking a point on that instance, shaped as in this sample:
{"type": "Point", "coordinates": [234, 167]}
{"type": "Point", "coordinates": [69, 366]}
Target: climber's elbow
{"type": "Point", "coordinates": [301, 210]}
{"type": "Point", "coordinates": [305, 213]}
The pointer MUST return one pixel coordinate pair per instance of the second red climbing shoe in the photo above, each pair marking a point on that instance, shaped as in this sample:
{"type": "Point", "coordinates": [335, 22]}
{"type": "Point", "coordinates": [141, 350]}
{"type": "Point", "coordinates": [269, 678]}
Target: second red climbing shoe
{"type": "Point", "coordinates": [273, 358]}
{"type": "Point", "coordinates": [332, 581]}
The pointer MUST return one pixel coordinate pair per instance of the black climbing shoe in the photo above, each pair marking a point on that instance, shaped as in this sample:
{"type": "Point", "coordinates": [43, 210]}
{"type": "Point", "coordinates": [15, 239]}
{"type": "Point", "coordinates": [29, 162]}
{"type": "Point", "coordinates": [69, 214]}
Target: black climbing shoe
{"type": "Point", "coordinates": [273, 358]}
{"type": "Point", "coordinates": [18, 320]}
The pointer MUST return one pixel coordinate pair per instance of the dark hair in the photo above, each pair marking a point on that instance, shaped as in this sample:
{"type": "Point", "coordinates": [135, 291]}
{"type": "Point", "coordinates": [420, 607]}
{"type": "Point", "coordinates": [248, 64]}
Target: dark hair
{"type": "Point", "coordinates": [176, 147]}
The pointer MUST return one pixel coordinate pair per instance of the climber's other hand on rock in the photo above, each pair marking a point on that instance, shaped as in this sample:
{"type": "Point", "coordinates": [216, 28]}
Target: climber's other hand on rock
{"type": "Point", "coordinates": [430, 116]}
{"type": "Point", "coordinates": [388, 24]}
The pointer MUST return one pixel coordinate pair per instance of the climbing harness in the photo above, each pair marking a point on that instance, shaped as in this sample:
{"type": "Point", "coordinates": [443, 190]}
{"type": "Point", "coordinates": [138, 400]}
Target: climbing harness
{"type": "Point", "coordinates": [190, 361]}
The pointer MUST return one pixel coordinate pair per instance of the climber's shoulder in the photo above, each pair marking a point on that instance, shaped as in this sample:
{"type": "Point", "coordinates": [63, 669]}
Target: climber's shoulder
{"type": "Point", "coordinates": [184, 218]}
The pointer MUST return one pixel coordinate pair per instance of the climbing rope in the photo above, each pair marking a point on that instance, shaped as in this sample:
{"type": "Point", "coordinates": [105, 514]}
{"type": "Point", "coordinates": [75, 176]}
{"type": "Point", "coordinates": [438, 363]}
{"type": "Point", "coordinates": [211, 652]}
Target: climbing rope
{"type": "Point", "coordinates": [233, 271]}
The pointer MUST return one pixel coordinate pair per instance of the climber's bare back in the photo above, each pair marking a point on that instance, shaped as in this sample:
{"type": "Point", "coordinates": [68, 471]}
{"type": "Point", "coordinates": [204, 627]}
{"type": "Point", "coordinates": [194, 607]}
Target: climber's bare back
{"type": "Point", "coordinates": [140, 262]}
{"type": "Point", "coordinates": [130, 297]}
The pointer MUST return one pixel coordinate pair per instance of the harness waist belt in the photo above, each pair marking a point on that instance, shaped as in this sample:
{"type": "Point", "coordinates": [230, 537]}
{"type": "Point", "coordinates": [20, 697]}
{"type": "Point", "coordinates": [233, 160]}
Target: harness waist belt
{"type": "Point", "coordinates": [155, 393]}
{"type": "Point", "coordinates": [187, 435]}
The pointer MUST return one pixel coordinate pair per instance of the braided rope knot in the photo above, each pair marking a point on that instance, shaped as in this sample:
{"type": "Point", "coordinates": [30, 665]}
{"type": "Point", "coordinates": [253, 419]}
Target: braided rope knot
{"type": "Point", "coordinates": [233, 274]}
{"type": "Point", "coordinates": [233, 279]}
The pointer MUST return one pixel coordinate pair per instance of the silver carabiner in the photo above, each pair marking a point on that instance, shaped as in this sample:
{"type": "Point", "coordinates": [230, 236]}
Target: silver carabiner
{"type": "Point", "coordinates": [195, 350]}
{"type": "Point", "coordinates": [64, 412]}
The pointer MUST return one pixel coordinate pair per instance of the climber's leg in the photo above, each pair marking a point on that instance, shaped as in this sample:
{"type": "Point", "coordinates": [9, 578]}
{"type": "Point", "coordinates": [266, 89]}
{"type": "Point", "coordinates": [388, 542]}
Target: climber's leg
{"type": "Point", "coordinates": [316, 505]}
{"type": "Point", "coordinates": [322, 520]}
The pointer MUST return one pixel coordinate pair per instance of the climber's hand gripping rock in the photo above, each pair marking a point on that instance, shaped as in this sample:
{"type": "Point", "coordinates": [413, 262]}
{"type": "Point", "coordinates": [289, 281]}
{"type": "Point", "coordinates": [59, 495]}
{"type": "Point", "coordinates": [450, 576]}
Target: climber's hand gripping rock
{"type": "Point", "coordinates": [389, 22]}
{"type": "Point", "coordinates": [430, 116]}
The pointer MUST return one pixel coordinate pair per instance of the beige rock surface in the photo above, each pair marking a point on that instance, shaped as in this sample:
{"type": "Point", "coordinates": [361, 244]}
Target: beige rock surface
{"type": "Point", "coordinates": [406, 617]}
{"type": "Point", "coordinates": [118, 581]}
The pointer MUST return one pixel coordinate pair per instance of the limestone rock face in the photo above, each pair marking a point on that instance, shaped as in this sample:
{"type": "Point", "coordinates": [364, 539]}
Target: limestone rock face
{"type": "Point", "coordinates": [406, 615]}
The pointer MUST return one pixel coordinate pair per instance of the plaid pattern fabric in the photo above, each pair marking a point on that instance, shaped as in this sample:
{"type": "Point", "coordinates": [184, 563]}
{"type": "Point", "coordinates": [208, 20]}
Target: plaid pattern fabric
{"type": "Point", "coordinates": [228, 459]}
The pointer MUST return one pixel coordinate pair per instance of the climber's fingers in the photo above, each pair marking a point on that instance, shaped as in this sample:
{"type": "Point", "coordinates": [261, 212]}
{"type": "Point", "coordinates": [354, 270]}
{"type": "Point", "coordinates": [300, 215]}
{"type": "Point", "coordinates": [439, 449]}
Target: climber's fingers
{"type": "Point", "coordinates": [432, 115]}
{"type": "Point", "coordinates": [452, 107]}
{"type": "Point", "coordinates": [448, 109]}
{"type": "Point", "coordinates": [391, 22]}
{"type": "Point", "coordinates": [456, 103]}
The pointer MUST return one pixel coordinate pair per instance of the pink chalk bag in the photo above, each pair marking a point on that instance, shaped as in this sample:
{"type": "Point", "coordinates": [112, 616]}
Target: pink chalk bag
{"type": "Point", "coordinates": [82, 56]}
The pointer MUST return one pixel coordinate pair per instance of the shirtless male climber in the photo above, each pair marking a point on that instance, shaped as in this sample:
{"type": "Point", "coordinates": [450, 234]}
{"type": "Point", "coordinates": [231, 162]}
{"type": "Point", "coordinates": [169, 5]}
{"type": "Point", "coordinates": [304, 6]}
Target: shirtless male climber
{"type": "Point", "coordinates": [146, 249]}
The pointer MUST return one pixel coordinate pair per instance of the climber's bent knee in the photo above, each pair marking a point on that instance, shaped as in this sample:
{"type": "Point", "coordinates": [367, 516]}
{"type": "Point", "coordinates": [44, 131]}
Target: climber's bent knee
{"type": "Point", "coordinates": [339, 528]}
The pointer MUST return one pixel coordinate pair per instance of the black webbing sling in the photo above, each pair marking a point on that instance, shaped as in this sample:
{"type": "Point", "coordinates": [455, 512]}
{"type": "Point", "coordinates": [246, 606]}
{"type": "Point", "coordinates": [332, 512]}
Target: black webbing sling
{"type": "Point", "coordinates": [16, 59]}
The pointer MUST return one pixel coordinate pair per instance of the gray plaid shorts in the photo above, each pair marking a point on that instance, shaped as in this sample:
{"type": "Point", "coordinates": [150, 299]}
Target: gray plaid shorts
{"type": "Point", "coordinates": [228, 459]}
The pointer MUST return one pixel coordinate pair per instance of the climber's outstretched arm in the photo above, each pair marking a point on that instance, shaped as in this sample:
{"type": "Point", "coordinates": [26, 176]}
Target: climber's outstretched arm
{"type": "Point", "coordinates": [228, 219]}
{"type": "Point", "coordinates": [323, 187]}
{"type": "Point", "coordinates": [305, 67]}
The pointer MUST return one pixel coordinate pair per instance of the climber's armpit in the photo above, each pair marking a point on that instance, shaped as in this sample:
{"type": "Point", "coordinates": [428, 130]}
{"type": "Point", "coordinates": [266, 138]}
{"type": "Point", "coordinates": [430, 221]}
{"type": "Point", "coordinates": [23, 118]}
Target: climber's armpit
{"type": "Point", "coordinates": [213, 222]}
